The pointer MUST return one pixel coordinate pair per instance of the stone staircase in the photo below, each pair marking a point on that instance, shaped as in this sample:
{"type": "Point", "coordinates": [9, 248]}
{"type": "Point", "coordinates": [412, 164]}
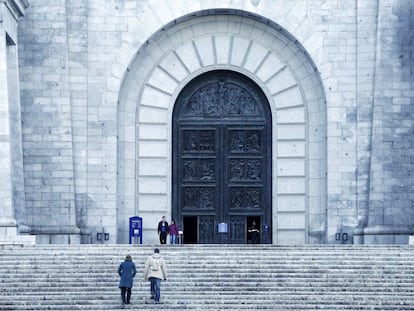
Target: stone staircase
{"type": "Point", "coordinates": [211, 277]}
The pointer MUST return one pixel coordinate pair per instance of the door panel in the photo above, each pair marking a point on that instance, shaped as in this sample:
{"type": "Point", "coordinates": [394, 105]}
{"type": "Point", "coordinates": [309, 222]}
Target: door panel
{"type": "Point", "coordinates": [237, 230]}
{"type": "Point", "coordinates": [207, 232]}
{"type": "Point", "coordinates": [221, 155]}
{"type": "Point", "coordinates": [245, 165]}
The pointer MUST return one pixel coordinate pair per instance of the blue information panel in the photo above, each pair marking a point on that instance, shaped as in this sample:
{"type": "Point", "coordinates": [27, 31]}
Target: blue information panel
{"type": "Point", "coordinates": [135, 230]}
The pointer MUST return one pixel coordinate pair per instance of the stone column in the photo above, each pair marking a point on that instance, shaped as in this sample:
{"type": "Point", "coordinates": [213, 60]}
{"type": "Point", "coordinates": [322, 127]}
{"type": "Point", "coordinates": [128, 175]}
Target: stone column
{"type": "Point", "coordinates": [10, 12]}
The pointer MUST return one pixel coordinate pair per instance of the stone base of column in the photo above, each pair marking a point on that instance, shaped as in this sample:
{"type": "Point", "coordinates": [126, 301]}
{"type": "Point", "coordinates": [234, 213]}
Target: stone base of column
{"type": "Point", "coordinates": [9, 235]}
{"type": "Point", "coordinates": [57, 235]}
{"type": "Point", "coordinates": [383, 235]}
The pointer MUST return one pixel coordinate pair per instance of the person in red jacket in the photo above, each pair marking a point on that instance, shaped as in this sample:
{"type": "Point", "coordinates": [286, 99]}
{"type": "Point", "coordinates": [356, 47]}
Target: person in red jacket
{"type": "Point", "coordinates": [173, 233]}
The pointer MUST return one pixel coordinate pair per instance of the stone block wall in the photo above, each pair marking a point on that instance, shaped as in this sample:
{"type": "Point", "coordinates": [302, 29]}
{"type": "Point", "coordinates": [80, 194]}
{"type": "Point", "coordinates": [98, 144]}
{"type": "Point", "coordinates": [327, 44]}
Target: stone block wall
{"type": "Point", "coordinates": [391, 209]}
{"type": "Point", "coordinates": [75, 58]}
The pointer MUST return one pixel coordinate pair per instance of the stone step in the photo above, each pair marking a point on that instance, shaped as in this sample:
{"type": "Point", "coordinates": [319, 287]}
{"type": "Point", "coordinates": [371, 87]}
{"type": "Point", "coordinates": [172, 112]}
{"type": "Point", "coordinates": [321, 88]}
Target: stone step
{"type": "Point", "coordinates": [212, 277]}
{"type": "Point", "coordinates": [322, 277]}
{"type": "Point", "coordinates": [220, 262]}
{"type": "Point", "coordinates": [233, 287]}
{"type": "Point", "coordinates": [189, 294]}
{"type": "Point", "coordinates": [210, 250]}
{"type": "Point", "coordinates": [96, 305]}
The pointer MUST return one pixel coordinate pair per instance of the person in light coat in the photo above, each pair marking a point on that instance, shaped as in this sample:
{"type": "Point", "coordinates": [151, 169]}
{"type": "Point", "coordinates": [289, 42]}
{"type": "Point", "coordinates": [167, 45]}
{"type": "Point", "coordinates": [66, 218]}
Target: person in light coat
{"type": "Point", "coordinates": [126, 271]}
{"type": "Point", "coordinates": [155, 270]}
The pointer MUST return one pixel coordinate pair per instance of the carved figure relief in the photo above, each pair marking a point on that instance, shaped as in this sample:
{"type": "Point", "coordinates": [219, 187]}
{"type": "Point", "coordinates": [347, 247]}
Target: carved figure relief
{"type": "Point", "coordinates": [253, 170]}
{"type": "Point", "coordinates": [207, 170]}
{"type": "Point", "coordinates": [237, 229]}
{"type": "Point", "coordinates": [237, 141]}
{"type": "Point", "coordinates": [206, 198]}
{"type": "Point", "coordinates": [237, 170]}
{"type": "Point", "coordinates": [245, 142]}
{"type": "Point", "coordinates": [190, 169]}
{"type": "Point", "coordinates": [190, 198]}
{"type": "Point", "coordinates": [198, 141]}
{"type": "Point", "coordinates": [222, 99]}
{"type": "Point", "coordinates": [198, 170]}
{"type": "Point", "coordinates": [206, 229]}
{"type": "Point", "coordinates": [245, 170]}
{"type": "Point", "coordinates": [253, 143]}
{"type": "Point", "coordinates": [206, 140]}
{"type": "Point", "coordinates": [245, 198]}
{"type": "Point", "coordinates": [198, 198]}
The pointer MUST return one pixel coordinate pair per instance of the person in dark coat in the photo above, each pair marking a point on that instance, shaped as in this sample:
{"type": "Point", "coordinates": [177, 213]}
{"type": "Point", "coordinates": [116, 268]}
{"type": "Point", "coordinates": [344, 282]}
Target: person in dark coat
{"type": "Point", "coordinates": [163, 230]}
{"type": "Point", "coordinates": [254, 233]}
{"type": "Point", "coordinates": [126, 271]}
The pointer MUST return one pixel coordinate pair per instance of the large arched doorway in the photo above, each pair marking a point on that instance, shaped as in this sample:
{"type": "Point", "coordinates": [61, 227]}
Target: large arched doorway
{"type": "Point", "coordinates": [279, 66]}
{"type": "Point", "coordinates": [222, 159]}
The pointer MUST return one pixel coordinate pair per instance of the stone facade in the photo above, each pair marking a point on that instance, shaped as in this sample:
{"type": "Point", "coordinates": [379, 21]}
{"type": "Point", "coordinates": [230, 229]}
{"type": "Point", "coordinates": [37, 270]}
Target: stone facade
{"type": "Point", "coordinates": [99, 79]}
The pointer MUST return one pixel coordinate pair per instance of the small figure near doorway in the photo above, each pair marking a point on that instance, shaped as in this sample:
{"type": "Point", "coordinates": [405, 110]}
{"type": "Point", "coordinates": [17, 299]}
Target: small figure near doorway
{"type": "Point", "coordinates": [254, 233]}
{"type": "Point", "coordinates": [163, 230]}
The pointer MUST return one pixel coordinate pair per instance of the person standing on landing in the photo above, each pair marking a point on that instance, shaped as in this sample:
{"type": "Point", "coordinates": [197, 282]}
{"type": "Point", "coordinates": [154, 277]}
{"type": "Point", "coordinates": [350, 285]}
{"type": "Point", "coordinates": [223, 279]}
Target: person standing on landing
{"type": "Point", "coordinates": [126, 271]}
{"type": "Point", "coordinates": [254, 233]}
{"type": "Point", "coordinates": [163, 230]}
{"type": "Point", "coordinates": [155, 270]}
{"type": "Point", "coordinates": [173, 233]}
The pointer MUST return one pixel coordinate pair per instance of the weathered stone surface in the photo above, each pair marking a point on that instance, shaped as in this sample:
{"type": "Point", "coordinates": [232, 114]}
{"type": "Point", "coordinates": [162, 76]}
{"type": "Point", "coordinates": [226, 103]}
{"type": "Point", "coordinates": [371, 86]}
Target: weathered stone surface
{"type": "Point", "coordinates": [98, 82]}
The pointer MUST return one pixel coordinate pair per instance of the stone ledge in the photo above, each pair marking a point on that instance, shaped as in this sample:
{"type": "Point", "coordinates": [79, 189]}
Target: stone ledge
{"type": "Point", "coordinates": [7, 222]}
{"type": "Point", "coordinates": [22, 240]}
{"type": "Point", "coordinates": [384, 230]}
{"type": "Point", "coordinates": [55, 230]}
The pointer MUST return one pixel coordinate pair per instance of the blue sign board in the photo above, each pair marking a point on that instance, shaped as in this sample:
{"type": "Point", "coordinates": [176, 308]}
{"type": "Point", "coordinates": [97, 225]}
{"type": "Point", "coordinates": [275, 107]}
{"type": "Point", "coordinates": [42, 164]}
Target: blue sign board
{"type": "Point", "coordinates": [223, 227]}
{"type": "Point", "coordinates": [135, 230]}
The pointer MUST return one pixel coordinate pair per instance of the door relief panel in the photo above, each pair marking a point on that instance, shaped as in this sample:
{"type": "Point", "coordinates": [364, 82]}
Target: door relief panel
{"type": "Point", "coordinates": [245, 198]}
{"type": "Point", "coordinates": [221, 99]}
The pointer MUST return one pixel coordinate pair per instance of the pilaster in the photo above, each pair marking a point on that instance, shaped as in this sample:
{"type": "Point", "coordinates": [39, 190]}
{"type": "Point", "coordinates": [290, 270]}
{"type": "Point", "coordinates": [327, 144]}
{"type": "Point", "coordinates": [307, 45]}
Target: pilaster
{"type": "Point", "coordinates": [10, 150]}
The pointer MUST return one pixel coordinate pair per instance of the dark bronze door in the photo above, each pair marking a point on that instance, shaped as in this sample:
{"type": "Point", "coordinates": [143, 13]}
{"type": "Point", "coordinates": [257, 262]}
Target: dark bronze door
{"type": "Point", "coordinates": [221, 158]}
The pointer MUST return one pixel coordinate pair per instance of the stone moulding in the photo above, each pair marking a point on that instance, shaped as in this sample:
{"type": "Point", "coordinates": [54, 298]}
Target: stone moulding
{"type": "Point", "coordinates": [55, 230]}
{"type": "Point", "coordinates": [382, 234]}
{"type": "Point", "coordinates": [384, 230]}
